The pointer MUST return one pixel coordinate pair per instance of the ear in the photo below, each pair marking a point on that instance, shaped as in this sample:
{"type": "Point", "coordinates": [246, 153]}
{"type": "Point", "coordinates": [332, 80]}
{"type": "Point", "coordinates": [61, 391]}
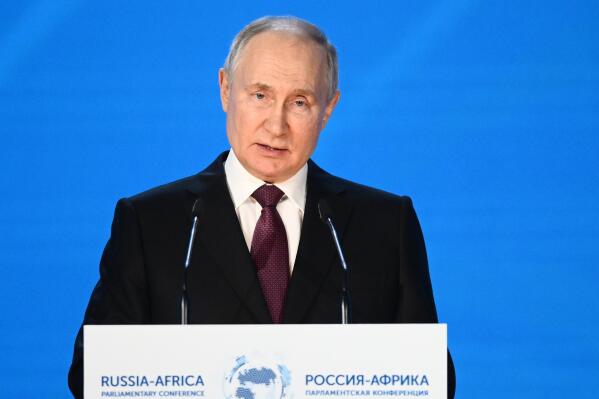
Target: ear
{"type": "Point", "coordinates": [223, 82]}
{"type": "Point", "coordinates": [328, 111]}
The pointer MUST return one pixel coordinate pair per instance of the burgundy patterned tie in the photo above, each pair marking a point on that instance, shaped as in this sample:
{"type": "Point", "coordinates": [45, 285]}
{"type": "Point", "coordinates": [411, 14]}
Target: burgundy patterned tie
{"type": "Point", "coordinates": [270, 252]}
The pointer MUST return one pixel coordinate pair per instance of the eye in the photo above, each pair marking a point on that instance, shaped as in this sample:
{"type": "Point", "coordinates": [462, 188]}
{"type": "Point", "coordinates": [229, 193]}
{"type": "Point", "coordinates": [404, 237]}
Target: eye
{"type": "Point", "coordinates": [259, 96]}
{"type": "Point", "coordinates": [300, 102]}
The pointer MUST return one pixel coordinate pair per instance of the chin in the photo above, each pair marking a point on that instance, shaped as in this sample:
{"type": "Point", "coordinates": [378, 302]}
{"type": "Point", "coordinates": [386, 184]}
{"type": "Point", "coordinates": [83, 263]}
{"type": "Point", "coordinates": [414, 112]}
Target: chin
{"type": "Point", "coordinates": [271, 173]}
{"type": "Point", "coordinates": [273, 176]}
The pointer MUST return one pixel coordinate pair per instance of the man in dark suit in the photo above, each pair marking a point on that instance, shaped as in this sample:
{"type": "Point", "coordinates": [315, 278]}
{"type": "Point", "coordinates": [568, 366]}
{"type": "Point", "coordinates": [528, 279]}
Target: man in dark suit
{"type": "Point", "coordinates": [261, 254]}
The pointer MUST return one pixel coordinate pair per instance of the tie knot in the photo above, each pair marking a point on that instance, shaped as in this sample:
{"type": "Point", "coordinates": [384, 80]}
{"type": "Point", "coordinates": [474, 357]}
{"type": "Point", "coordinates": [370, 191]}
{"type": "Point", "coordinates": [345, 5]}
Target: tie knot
{"type": "Point", "coordinates": [268, 195]}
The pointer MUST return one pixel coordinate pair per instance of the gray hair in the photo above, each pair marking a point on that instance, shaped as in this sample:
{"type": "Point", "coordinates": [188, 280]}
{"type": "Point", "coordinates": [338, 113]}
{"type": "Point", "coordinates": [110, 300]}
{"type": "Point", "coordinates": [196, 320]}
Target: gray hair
{"type": "Point", "coordinates": [291, 25]}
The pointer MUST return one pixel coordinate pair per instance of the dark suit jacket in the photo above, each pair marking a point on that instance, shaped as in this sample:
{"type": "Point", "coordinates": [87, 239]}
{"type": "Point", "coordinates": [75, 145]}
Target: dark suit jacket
{"type": "Point", "coordinates": [141, 270]}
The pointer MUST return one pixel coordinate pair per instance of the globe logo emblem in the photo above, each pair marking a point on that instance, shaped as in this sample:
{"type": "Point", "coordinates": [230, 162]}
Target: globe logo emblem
{"type": "Point", "coordinates": [257, 379]}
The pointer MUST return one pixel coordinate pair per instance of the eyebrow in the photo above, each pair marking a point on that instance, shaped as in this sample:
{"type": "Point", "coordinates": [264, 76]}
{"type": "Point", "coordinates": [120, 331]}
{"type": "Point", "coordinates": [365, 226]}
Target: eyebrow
{"type": "Point", "coordinates": [304, 92]}
{"type": "Point", "coordinates": [263, 86]}
{"type": "Point", "coordinates": [258, 86]}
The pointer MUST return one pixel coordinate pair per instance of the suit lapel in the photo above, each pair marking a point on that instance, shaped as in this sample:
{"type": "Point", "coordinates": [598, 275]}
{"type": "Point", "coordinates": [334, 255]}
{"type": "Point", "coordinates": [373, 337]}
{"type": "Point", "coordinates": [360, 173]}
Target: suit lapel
{"type": "Point", "coordinates": [219, 233]}
{"type": "Point", "coordinates": [316, 253]}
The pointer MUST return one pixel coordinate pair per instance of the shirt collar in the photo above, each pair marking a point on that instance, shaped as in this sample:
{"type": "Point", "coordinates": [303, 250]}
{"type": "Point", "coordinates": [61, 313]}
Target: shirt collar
{"type": "Point", "coordinates": [242, 183]}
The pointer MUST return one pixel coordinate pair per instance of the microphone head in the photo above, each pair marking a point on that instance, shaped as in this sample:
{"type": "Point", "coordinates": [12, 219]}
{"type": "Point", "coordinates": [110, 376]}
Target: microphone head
{"type": "Point", "coordinates": [324, 210]}
{"type": "Point", "coordinates": [197, 208]}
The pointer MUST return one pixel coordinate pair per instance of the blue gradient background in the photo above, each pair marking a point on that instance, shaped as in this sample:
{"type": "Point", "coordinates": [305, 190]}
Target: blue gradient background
{"type": "Point", "coordinates": [486, 113]}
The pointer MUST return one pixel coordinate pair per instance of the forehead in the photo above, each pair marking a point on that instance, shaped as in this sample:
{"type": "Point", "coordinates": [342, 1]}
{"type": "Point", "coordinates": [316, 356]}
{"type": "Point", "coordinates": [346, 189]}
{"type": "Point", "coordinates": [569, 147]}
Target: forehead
{"type": "Point", "coordinates": [281, 59]}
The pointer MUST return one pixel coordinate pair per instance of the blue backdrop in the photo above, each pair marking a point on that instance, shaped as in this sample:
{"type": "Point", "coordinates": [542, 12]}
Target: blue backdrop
{"type": "Point", "coordinates": [486, 113]}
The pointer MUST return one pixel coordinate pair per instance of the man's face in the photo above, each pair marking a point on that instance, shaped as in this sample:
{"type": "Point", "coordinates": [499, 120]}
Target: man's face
{"type": "Point", "coordinates": [276, 104]}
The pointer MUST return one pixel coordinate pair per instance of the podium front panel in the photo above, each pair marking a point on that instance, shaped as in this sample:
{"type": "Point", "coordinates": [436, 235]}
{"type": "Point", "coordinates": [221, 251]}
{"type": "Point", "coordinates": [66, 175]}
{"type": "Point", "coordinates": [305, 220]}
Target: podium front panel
{"type": "Point", "coordinates": [266, 361]}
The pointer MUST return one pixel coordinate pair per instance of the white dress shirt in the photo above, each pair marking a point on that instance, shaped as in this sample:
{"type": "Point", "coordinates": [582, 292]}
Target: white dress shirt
{"type": "Point", "coordinates": [291, 207]}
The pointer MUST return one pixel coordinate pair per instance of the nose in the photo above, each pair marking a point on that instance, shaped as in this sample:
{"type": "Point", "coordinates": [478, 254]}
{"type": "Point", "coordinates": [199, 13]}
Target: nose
{"type": "Point", "coordinates": [276, 122]}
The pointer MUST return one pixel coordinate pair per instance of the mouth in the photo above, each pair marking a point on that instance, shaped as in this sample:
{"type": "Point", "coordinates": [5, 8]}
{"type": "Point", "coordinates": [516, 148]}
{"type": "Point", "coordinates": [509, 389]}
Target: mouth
{"type": "Point", "coordinates": [271, 150]}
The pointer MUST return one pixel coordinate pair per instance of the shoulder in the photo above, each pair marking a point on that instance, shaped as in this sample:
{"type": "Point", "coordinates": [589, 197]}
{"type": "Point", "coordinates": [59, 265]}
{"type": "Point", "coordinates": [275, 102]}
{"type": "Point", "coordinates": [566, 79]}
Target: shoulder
{"type": "Point", "coordinates": [372, 195]}
{"type": "Point", "coordinates": [359, 194]}
{"type": "Point", "coordinates": [183, 190]}
{"type": "Point", "coordinates": [165, 192]}
{"type": "Point", "coordinates": [378, 206]}
{"type": "Point", "coordinates": [157, 208]}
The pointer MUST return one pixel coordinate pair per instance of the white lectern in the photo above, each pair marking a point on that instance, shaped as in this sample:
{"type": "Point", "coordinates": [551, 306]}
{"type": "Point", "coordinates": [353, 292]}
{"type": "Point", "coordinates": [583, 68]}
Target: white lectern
{"type": "Point", "coordinates": [266, 361]}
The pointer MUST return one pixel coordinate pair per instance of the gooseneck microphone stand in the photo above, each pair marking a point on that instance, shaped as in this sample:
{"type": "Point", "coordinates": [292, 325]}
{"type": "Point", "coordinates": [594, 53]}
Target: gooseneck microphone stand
{"type": "Point", "coordinates": [194, 224]}
{"type": "Point", "coordinates": [326, 216]}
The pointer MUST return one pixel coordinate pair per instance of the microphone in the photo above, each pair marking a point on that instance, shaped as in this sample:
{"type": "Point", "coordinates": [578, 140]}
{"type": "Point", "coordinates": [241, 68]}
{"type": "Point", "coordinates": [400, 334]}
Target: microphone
{"type": "Point", "coordinates": [326, 215]}
{"type": "Point", "coordinates": [195, 214]}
